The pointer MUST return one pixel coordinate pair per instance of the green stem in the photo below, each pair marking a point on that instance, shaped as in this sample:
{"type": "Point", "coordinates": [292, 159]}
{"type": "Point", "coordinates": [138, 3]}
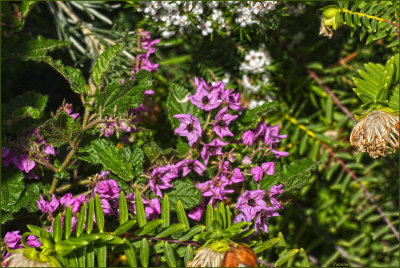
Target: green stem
{"type": "Point", "coordinates": [369, 17]}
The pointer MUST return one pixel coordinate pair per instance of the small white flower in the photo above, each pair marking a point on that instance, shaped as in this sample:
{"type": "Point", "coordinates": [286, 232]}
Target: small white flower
{"type": "Point", "coordinates": [205, 27]}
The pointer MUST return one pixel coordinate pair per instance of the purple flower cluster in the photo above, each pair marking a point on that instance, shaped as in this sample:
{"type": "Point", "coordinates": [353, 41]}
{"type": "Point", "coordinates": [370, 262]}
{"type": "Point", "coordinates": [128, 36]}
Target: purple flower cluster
{"type": "Point", "coordinates": [252, 205]}
{"type": "Point", "coordinates": [143, 60]}
{"type": "Point", "coordinates": [268, 134]}
{"type": "Point", "coordinates": [13, 241]}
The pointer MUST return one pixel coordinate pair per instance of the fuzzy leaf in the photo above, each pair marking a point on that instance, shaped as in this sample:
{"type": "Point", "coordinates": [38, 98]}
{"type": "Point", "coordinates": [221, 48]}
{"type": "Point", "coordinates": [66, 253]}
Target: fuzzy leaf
{"type": "Point", "coordinates": [123, 228]}
{"type": "Point", "coordinates": [165, 211]}
{"type": "Point", "coordinates": [186, 192]}
{"type": "Point", "coordinates": [179, 103]}
{"type": "Point", "coordinates": [103, 63]}
{"type": "Point", "coordinates": [124, 96]}
{"type": "Point", "coordinates": [60, 130]}
{"type": "Point", "coordinates": [140, 214]}
{"type": "Point", "coordinates": [144, 253]}
{"type": "Point", "coordinates": [134, 156]}
{"type": "Point", "coordinates": [99, 213]}
{"type": "Point", "coordinates": [169, 255]}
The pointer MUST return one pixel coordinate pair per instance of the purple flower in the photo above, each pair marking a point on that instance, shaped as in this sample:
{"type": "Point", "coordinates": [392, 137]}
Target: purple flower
{"type": "Point", "coordinates": [68, 108]}
{"type": "Point", "coordinates": [215, 188]}
{"type": "Point", "coordinates": [240, 217]}
{"type": "Point", "coordinates": [6, 156]}
{"type": "Point", "coordinates": [197, 212]}
{"type": "Point", "coordinates": [161, 178]}
{"type": "Point", "coordinates": [190, 127]}
{"type": "Point", "coordinates": [279, 154]}
{"type": "Point", "coordinates": [275, 191]}
{"type": "Point", "coordinates": [272, 135]}
{"type": "Point", "coordinates": [130, 200]}
{"type": "Point", "coordinates": [260, 129]}
{"type": "Point", "coordinates": [251, 202]}
{"type": "Point", "coordinates": [257, 173]}
{"type": "Point", "coordinates": [261, 222]}
{"type": "Point", "coordinates": [13, 240]}
{"type": "Point", "coordinates": [232, 99]}
{"type": "Point", "coordinates": [46, 207]}
{"type": "Point", "coordinates": [75, 203]}
{"type": "Point", "coordinates": [248, 138]}
{"type": "Point", "coordinates": [246, 161]}
{"type": "Point", "coordinates": [33, 242]}
{"type": "Point", "coordinates": [268, 168]}
{"type": "Point", "coordinates": [23, 162]}
{"type": "Point", "coordinates": [107, 189]}
{"type": "Point", "coordinates": [153, 208]}
{"type": "Point", "coordinates": [205, 100]}
{"type": "Point", "coordinates": [222, 121]}
{"type": "Point", "coordinates": [213, 148]}
{"type": "Point", "coordinates": [189, 165]}
{"type": "Point", "coordinates": [49, 149]}
{"type": "Point", "coordinates": [237, 176]}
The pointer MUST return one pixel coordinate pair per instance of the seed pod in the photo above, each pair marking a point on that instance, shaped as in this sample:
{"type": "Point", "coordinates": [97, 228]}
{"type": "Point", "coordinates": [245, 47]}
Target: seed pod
{"type": "Point", "coordinates": [376, 133]}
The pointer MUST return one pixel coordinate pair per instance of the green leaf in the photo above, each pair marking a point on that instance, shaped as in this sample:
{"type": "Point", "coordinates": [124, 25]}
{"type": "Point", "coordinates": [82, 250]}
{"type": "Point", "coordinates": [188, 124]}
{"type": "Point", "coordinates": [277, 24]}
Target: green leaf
{"type": "Point", "coordinates": [209, 215]}
{"type": "Point", "coordinates": [130, 254]}
{"type": "Point", "coordinates": [99, 213]}
{"type": "Point", "coordinates": [171, 229]}
{"type": "Point", "coordinates": [134, 156]}
{"type": "Point", "coordinates": [148, 227]}
{"type": "Point", "coordinates": [285, 257]}
{"type": "Point", "coordinates": [89, 222]}
{"type": "Point", "coordinates": [63, 248]}
{"type": "Point", "coordinates": [179, 103]}
{"type": "Point", "coordinates": [182, 218]}
{"type": "Point", "coordinates": [221, 210]}
{"type": "Point", "coordinates": [169, 255]}
{"type": "Point", "coordinates": [250, 115]}
{"type": "Point", "coordinates": [101, 255]}
{"type": "Point", "coordinates": [165, 211]}
{"type": "Point", "coordinates": [123, 208]}
{"type": "Point", "coordinates": [304, 259]}
{"type": "Point", "coordinates": [121, 97]}
{"type": "Point", "coordinates": [81, 256]}
{"type": "Point", "coordinates": [90, 256]}
{"type": "Point", "coordinates": [68, 222]}
{"type": "Point", "coordinates": [26, 7]}
{"type": "Point", "coordinates": [106, 153]}
{"type": "Point", "coordinates": [192, 232]}
{"type": "Point", "coordinates": [81, 220]}
{"type": "Point", "coordinates": [294, 176]}
{"type": "Point", "coordinates": [144, 253]}
{"type": "Point", "coordinates": [60, 130]}
{"type": "Point", "coordinates": [77, 242]}
{"type": "Point", "coordinates": [28, 104]}
{"type": "Point", "coordinates": [186, 192]}
{"type": "Point", "coordinates": [140, 214]}
{"type": "Point", "coordinates": [123, 228]}
{"type": "Point", "coordinates": [188, 255]}
{"type": "Point", "coordinates": [260, 247]}
{"type": "Point", "coordinates": [35, 230]}
{"type": "Point", "coordinates": [33, 48]}
{"type": "Point", "coordinates": [103, 63]}
{"type": "Point", "coordinates": [228, 216]}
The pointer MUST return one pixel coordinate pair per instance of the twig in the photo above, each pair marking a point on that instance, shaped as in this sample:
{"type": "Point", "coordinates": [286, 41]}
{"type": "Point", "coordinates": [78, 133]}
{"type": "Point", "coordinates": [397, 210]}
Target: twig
{"type": "Point", "coordinates": [368, 194]}
{"type": "Point", "coordinates": [133, 236]}
{"type": "Point", "coordinates": [267, 264]}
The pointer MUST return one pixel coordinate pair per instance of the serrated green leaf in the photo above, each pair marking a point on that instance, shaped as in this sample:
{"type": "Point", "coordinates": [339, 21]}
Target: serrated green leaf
{"type": "Point", "coordinates": [134, 156]}
{"type": "Point", "coordinates": [89, 222]}
{"type": "Point", "coordinates": [165, 211]}
{"type": "Point", "coordinates": [140, 214]}
{"type": "Point", "coordinates": [182, 218]}
{"type": "Point", "coordinates": [103, 63]}
{"type": "Point", "coordinates": [179, 103]}
{"type": "Point", "coordinates": [60, 130]}
{"type": "Point", "coordinates": [260, 247]}
{"type": "Point", "coordinates": [185, 192]}
{"type": "Point", "coordinates": [121, 97]}
{"type": "Point", "coordinates": [68, 222]}
{"type": "Point", "coordinates": [192, 232]}
{"type": "Point", "coordinates": [106, 153]}
{"type": "Point", "coordinates": [123, 208]}
{"type": "Point", "coordinates": [99, 213]}
{"type": "Point", "coordinates": [171, 229]}
{"type": "Point", "coordinates": [148, 227]}
{"type": "Point", "coordinates": [169, 255]}
{"type": "Point", "coordinates": [81, 220]}
{"type": "Point", "coordinates": [28, 104]}
{"type": "Point", "coordinates": [284, 258]}
{"type": "Point", "coordinates": [123, 228]}
{"type": "Point", "coordinates": [130, 254]}
{"type": "Point", "coordinates": [144, 253]}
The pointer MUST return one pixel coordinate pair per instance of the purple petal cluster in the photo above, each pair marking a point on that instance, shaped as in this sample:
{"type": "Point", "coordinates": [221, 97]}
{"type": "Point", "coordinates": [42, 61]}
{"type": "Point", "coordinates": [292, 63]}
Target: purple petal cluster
{"type": "Point", "coordinates": [152, 208]}
{"type": "Point", "coordinates": [222, 121]}
{"type": "Point", "coordinates": [258, 172]}
{"type": "Point", "coordinates": [161, 178]}
{"type": "Point", "coordinates": [68, 108]}
{"type": "Point", "coordinates": [188, 165]}
{"type": "Point", "coordinates": [143, 60]}
{"type": "Point", "coordinates": [48, 207]}
{"type": "Point", "coordinates": [75, 203]}
{"type": "Point", "coordinates": [213, 148]}
{"type": "Point", "coordinates": [190, 127]}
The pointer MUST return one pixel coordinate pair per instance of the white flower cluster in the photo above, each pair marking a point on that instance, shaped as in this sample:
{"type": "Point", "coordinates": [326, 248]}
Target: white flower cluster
{"type": "Point", "coordinates": [176, 16]}
{"type": "Point", "coordinates": [255, 61]}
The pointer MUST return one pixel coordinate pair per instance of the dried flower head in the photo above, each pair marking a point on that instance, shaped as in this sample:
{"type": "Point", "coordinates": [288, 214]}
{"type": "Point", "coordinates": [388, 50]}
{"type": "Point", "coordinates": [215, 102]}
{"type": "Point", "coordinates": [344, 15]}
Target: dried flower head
{"type": "Point", "coordinates": [376, 133]}
{"type": "Point", "coordinates": [207, 258]}
{"type": "Point", "coordinates": [18, 259]}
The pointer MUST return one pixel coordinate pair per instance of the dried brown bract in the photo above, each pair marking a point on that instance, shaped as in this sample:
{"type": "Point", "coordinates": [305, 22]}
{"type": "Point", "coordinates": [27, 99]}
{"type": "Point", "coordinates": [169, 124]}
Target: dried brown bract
{"type": "Point", "coordinates": [376, 133]}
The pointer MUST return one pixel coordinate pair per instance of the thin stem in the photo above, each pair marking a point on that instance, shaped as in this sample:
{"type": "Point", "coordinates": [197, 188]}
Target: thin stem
{"type": "Point", "coordinates": [367, 193]}
{"type": "Point", "coordinates": [207, 121]}
{"type": "Point", "coordinates": [369, 17]}
{"type": "Point", "coordinates": [69, 186]}
{"type": "Point", "coordinates": [133, 236]}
